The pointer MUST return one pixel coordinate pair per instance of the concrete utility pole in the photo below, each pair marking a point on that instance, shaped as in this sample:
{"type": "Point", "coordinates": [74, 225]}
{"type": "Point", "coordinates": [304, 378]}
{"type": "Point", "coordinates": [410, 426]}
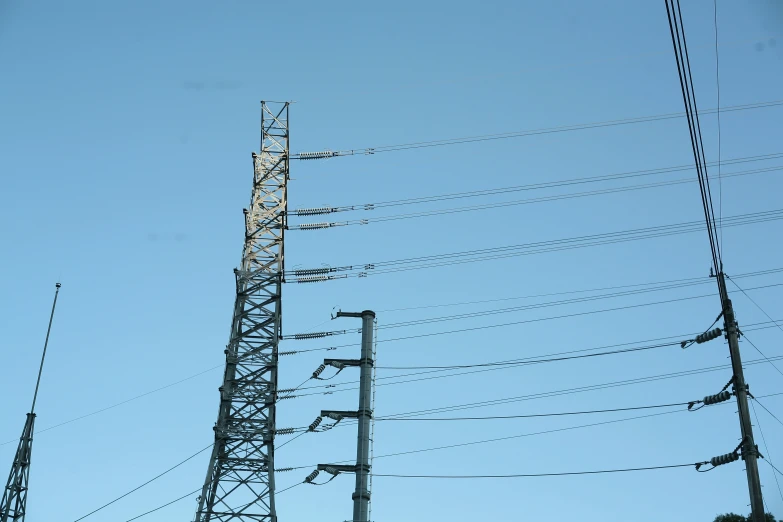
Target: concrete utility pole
{"type": "Point", "coordinates": [361, 495]}
{"type": "Point", "coordinates": [750, 452]}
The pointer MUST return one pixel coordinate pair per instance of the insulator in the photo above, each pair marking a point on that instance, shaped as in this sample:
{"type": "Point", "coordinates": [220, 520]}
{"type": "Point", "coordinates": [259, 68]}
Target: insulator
{"type": "Point", "coordinates": [287, 397]}
{"type": "Point", "coordinates": [724, 459]}
{"type": "Point", "coordinates": [331, 470]}
{"type": "Point", "coordinates": [708, 336]}
{"type": "Point", "coordinates": [318, 371]}
{"type": "Point", "coordinates": [287, 390]}
{"type": "Point", "coordinates": [285, 431]}
{"type": "Point", "coordinates": [314, 226]}
{"type": "Point", "coordinates": [312, 335]}
{"type": "Point", "coordinates": [718, 397]}
{"type": "Point", "coordinates": [317, 155]}
{"type": "Point", "coordinates": [312, 279]}
{"type": "Point", "coordinates": [283, 470]}
{"type": "Point", "coordinates": [292, 352]}
{"type": "Point", "coordinates": [337, 364]}
{"type": "Point", "coordinates": [334, 416]}
{"type": "Point", "coordinates": [315, 423]}
{"type": "Point", "coordinates": [311, 477]}
{"type": "Point", "coordinates": [311, 271]}
{"type": "Point", "coordinates": [314, 211]}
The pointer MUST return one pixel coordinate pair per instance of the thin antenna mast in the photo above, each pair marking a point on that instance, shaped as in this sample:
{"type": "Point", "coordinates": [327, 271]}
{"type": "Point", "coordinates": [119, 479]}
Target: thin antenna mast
{"type": "Point", "coordinates": [14, 503]}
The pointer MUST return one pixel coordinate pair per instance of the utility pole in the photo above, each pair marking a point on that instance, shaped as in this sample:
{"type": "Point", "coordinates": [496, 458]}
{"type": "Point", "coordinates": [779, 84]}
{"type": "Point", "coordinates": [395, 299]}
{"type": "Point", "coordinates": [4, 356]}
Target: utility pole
{"type": "Point", "coordinates": [748, 448]}
{"type": "Point", "coordinates": [750, 451]}
{"type": "Point", "coordinates": [14, 503]}
{"type": "Point", "coordinates": [361, 495]}
{"type": "Point", "coordinates": [240, 481]}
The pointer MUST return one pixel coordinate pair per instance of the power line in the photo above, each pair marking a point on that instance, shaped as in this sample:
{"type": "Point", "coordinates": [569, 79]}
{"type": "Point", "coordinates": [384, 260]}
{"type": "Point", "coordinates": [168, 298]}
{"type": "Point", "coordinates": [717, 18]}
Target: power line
{"type": "Point", "coordinates": [484, 313]}
{"type": "Point", "coordinates": [526, 187]}
{"type": "Point", "coordinates": [156, 477]}
{"type": "Point", "coordinates": [530, 434]}
{"type": "Point", "coordinates": [121, 402]}
{"type": "Point", "coordinates": [507, 251]}
{"type": "Point", "coordinates": [524, 133]}
{"type": "Point", "coordinates": [754, 302]}
{"type": "Point", "coordinates": [766, 448]}
{"type": "Point", "coordinates": [717, 86]}
{"type": "Point", "coordinates": [767, 410]}
{"type": "Point", "coordinates": [534, 415]}
{"type": "Point", "coordinates": [686, 282]}
{"type": "Point", "coordinates": [186, 495]}
{"type": "Point", "coordinates": [504, 204]}
{"type": "Point", "coordinates": [522, 475]}
{"type": "Point", "coordinates": [762, 354]}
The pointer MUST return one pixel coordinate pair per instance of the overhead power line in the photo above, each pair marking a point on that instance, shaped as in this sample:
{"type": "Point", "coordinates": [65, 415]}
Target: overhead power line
{"type": "Point", "coordinates": [524, 133]}
{"type": "Point", "coordinates": [506, 204]}
{"type": "Point", "coordinates": [508, 251]}
{"type": "Point", "coordinates": [529, 475]}
{"type": "Point", "coordinates": [522, 188]}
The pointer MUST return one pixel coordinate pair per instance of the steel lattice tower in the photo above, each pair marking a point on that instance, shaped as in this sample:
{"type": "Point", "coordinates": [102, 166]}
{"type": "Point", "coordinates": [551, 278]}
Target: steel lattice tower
{"type": "Point", "coordinates": [240, 481]}
{"type": "Point", "coordinates": [13, 506]}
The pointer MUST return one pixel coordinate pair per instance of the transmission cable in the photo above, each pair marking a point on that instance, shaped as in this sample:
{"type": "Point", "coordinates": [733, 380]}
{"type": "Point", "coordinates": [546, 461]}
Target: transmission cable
{"type": "Point", "coordinates": [502, 252]}
{"type": "Point", "coordinates": [753, 301]}
{"type": "Point", "coordinates": [522, 188]}
{"type": "Point", "coordinates": [519, 134]}
{"type": "Point", "coordinates": [498, 205]}
{"type": "Point", "coordinates": [766, 448]}
{"type": "Point", "coordinates": [522, 475]}
{"type": "Point", "coordinates": [144, 484]}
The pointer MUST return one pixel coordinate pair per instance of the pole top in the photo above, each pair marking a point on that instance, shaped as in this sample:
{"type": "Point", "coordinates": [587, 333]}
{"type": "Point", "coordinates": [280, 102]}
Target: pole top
{"type": "Point", "coordinates": [57, 285]}
{"type": "Point", "coordinates": [368, 312]}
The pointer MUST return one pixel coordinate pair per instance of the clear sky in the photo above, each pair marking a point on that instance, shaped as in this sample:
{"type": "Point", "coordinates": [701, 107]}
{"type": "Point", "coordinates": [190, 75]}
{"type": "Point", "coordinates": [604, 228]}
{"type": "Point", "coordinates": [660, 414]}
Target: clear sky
{"type": "Point", "coordinates": [125, 137]}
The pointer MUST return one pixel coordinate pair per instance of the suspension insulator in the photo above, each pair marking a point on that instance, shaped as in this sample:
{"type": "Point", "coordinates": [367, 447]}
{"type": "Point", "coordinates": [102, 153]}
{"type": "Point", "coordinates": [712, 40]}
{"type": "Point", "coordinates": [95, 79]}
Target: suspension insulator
{"type": "Point", "coordinates": [311, 271]}
{"type": "Point", "coordinates": [318, 371]}
{"type": "Point", "coordinates": [314, 226]}
{"type": "Point", "coordinates": [315, 423]}
{"type": "Point", "coordinates": [718, 397]}
{"type": "Point", "coordinates": [331, 470]}
{"type": "Point", "coordinates": [334, 416]}
{"type": "Point", "coordinates": [314, 211]}
{"type": "Point", "coordinates": [311, 477]}
{"type": "Point", "coordinates": [313, 335]}
{"type": "Point", "coordinates": [724, 459]}
{"type": "Point", "coordinates": [312, 279]}
{"type": "Point", "coordinates": [708, 336]}
{"type": "Point", "coordinates": [317, 155]}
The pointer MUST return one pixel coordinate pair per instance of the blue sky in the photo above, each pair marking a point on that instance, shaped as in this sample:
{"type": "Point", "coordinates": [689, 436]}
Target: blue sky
{"type": "Point", "coordinates": [125, 140]}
